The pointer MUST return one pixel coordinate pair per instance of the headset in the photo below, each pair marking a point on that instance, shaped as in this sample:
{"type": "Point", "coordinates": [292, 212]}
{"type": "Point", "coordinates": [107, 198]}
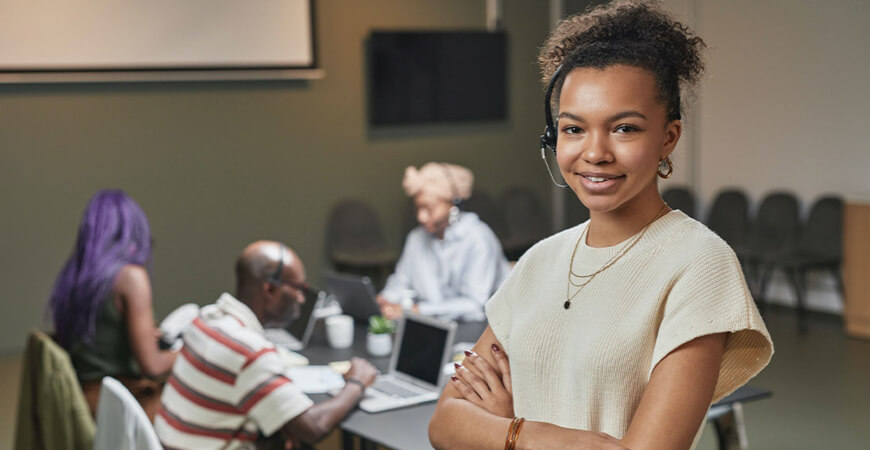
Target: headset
{"type": "Point", "coordinates": [275, 278]}
{"type": "Point", "coordinates": [548, 139]}
{"type": "Point", "coordinates": [457, 199]}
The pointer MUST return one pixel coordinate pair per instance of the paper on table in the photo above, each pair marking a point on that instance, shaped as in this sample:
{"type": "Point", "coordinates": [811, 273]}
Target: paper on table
{"type": "Point", "coordinates": [315, 379]}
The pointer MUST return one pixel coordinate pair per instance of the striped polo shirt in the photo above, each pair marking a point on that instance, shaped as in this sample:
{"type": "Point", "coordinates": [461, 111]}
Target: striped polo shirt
{"type": "Point", "coordinates": [227, 385]}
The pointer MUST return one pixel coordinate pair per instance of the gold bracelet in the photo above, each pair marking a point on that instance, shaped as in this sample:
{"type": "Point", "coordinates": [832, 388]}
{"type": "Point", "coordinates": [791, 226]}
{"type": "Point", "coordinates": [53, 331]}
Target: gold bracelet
{"type": "Point", "coordinates": [516, 436]}
{"type": "Point", "coordinates": [507, 441]}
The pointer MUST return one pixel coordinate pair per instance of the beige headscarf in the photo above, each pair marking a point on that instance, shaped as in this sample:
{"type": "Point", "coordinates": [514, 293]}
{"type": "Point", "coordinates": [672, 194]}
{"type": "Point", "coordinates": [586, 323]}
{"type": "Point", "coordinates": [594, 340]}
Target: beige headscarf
{"type": "Point", "coordinates": [439, 179]}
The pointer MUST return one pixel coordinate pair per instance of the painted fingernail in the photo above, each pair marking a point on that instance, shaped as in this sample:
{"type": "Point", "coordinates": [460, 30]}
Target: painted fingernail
{"type": "Point", "coordinates": [495, 348]}
{"type": "Point", "coordinates": [468, 353]}
{"type": "Point", "coordinates": [457, 365]}
{"type": "Point", "coordinates": [454, 378]}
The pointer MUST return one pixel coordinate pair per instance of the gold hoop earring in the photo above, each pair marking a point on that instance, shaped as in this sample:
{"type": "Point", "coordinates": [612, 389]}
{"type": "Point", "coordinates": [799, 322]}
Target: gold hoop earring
{"type": "Point", "coordinates": [666, 167]}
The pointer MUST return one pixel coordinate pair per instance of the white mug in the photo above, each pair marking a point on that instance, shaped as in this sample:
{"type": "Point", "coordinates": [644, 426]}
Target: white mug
{"type": "Point", "coordinates": [339, 331]}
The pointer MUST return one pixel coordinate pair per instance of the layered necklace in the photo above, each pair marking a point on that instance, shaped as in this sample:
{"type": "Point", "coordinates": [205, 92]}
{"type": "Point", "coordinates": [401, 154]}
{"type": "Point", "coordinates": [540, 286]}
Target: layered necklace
{"type": "Point", "coordinates": [579, 281]}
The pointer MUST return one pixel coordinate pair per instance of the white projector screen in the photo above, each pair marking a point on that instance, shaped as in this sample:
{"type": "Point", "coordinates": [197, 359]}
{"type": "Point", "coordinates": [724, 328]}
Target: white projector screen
{"type": "Point", "coordinates": [51, 36]}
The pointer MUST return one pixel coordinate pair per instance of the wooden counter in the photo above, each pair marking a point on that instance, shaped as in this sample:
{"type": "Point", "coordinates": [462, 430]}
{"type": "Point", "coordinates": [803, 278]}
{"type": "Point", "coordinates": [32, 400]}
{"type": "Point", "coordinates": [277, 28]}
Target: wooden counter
{"type": "Point", "coordinates": [856, 267]}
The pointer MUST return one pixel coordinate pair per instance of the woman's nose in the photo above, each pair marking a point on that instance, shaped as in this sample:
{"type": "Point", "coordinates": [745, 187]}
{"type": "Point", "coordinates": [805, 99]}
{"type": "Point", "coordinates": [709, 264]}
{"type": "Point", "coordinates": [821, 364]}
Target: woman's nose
{"type": "Point", "coordinates": [596, 149]}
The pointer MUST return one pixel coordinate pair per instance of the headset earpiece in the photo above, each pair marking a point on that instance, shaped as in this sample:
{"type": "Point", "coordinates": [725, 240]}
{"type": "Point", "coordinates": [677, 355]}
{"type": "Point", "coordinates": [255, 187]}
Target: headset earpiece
{"type": "Point", "coordinates": [275, 278]}
{"type": "Point", "coordinates": [549, 138]}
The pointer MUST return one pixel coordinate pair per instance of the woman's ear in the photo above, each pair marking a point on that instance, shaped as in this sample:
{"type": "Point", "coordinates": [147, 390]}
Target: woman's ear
{"type": "Point", "coordinates": [673, 131]}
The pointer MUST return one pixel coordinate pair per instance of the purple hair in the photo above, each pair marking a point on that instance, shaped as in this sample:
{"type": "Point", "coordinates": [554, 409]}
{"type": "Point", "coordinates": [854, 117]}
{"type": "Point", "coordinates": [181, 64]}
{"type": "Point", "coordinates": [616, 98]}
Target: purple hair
{"type": "Point", "coordinates": [114, 232]}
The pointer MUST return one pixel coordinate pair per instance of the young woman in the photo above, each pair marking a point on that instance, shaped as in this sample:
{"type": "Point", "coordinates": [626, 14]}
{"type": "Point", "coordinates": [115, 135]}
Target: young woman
{"type": "Point", "coordinates": [453, 261]}
{"type": "Point", "coordinates": [621, 331]}
{"type": "Point", "coordinates": [101, 302]}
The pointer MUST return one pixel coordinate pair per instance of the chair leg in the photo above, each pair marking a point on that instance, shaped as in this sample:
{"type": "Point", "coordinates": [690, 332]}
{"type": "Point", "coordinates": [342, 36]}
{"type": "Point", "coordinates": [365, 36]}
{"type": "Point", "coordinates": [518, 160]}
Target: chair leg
{"type": "Point", "coordinates": [765, 272]}
{"type": "Point", "coordinates": [798, 281]}
{"type": "Point", "coordinates": [837, 272]}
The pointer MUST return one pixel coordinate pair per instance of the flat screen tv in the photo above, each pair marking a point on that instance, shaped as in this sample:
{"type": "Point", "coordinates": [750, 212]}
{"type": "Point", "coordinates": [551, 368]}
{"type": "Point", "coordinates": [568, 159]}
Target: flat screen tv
{"type": "Point", "coordinates": [427, 77]}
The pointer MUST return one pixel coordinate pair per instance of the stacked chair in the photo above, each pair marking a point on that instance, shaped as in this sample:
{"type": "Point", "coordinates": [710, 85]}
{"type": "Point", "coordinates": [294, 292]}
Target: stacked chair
{"type": "Point", "coordinates": [526, 221]}
{"type": "Point", "coordinates": [680, 198]}
{"type": "Point", "coordinates": [355, 241]}
{"type": "Point", "coordinates": [777, 240]}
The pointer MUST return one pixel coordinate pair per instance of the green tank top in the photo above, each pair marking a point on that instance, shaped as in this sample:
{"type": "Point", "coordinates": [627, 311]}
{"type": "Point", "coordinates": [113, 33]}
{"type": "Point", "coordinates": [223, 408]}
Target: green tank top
{"type": "Point", "coordinates": [110, 353]}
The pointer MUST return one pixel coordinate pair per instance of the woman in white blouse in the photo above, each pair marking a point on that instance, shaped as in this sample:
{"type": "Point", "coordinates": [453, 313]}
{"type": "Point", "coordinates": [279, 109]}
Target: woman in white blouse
{"type": "Point", "coordinates": [452, 262]}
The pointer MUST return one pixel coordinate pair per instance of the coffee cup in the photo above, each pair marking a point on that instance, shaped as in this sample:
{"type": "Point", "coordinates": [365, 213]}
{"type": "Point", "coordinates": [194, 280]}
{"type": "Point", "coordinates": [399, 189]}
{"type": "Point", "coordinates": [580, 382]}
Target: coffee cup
{"type": "Point", "coordinates": [339, 331]}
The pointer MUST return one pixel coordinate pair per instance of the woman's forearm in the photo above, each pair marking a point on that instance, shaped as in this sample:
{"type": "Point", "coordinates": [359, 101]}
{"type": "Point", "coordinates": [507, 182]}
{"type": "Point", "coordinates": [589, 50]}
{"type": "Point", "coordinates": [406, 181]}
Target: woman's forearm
{"type": "Point", "coordinates": [460, 424]}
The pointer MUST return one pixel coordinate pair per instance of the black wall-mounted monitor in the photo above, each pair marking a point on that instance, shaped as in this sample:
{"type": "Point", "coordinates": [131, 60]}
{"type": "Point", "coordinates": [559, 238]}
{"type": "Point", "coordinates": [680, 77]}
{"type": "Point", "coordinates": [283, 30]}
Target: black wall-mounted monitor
{"type": "Point", "coordinates": [424, 77]}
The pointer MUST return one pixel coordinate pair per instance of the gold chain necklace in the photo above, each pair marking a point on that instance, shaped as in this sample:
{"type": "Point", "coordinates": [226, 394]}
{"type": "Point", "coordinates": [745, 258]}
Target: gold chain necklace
{"type": "Point", "coordinates": [619, 254]}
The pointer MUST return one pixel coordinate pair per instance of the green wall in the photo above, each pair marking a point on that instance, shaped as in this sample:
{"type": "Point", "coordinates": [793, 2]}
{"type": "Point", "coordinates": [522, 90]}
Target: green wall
{"type": "Point", "coordinates": [217, 165]}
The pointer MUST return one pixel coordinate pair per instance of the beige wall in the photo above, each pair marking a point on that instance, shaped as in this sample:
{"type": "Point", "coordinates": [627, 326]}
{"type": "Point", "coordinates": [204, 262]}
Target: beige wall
{"type": "Point", "coordinates": [216, 165]}
{"type": "Point", "coordinates": [785, 104]}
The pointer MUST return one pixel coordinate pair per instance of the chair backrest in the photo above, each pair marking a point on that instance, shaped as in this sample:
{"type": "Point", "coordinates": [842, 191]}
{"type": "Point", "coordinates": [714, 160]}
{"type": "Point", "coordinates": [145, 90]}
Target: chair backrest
{"type": "Point", "coordinates": [52, 410]}
{"type": "Point", "coordinates": [121, 422]}
{"type": "Point", "coordinates": [575, 211]}
{"type": "Point", "coordinates": [526, 221]}
{"type": "Point", "coordinates": [729, 217]}
{"type": "Point", "coordinates": [777, 224]}
{"type": "Point", "coordinates": [823, 231]}
{"type": "Point", "coordinates": [354, 228]}
{"type": "Point", "coordinates": [485, 206]}
{"type": "Point", "coordinates": [680, 198]}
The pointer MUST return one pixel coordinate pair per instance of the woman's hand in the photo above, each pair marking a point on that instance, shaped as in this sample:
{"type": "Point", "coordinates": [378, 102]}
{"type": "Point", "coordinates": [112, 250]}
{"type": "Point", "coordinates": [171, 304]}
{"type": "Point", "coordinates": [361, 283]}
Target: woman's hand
{"type": "Point", "coordinates": [484, 385]}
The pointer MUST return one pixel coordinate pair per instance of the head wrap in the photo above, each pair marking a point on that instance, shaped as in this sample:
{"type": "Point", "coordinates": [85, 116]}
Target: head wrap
{"type": "Point", "coordinates": [440, 179]}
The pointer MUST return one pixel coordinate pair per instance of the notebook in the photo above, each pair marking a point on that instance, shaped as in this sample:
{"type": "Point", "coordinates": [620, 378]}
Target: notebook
{"type": "Point", "coordinates": [355, 294]}
{"type": "Point", "coordinates": [296, 336]}
{"type": "Point", "coordinates": [423, 347]}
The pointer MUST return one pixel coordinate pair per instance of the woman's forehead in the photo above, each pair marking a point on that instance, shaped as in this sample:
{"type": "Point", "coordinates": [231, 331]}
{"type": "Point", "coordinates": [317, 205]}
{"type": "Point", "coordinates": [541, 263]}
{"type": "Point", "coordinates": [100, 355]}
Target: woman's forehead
{"type": "Point", "coordinates": [620, 86]}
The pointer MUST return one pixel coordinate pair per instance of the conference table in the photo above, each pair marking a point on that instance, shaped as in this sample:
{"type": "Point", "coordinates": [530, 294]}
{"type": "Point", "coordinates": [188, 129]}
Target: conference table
{"type": "Point", "coordinates": [407, 428]}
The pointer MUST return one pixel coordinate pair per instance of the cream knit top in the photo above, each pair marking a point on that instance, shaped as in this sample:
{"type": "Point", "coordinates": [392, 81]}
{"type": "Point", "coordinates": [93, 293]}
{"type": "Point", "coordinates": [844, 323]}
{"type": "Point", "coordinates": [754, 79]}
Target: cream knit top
{"type": "Point", "coordinates": [587, 367]}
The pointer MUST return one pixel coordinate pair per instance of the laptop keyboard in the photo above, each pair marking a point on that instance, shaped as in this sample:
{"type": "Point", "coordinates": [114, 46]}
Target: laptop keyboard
{"type": "Point", "coordinates": [393, 389]}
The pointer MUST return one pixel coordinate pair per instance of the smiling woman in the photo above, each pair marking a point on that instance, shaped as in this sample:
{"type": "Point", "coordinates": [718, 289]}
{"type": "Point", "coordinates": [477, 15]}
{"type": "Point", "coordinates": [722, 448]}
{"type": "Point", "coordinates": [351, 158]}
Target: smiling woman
{"type": "Point", "coordinates": [621, 331]}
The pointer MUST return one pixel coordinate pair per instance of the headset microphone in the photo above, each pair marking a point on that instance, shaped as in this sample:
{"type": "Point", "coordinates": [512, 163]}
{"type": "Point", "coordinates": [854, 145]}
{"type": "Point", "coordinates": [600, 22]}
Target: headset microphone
{"type": "Point", "coordinates": [548, 139]}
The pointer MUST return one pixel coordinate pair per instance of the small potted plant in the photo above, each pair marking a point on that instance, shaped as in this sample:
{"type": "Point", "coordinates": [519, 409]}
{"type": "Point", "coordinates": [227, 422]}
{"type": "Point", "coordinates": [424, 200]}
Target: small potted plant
{"type": "Point", "coordinates": [379, 341]}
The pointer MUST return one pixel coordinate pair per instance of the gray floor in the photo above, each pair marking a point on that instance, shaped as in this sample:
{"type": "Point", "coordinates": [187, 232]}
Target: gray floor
{"type": "Point", "coordinates": [821, 388]}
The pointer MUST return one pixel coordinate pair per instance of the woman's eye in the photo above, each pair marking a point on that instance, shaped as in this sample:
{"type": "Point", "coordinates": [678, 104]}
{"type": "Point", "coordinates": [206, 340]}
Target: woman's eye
{"type": "Point", "coordinates": [572, 130]}
{"type": "Point", "coordinates": [626, 129]}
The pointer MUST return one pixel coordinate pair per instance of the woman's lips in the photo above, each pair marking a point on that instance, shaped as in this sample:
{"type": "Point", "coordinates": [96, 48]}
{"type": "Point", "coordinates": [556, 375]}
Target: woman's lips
{"type": "Point", "coordinates": [600, 183]}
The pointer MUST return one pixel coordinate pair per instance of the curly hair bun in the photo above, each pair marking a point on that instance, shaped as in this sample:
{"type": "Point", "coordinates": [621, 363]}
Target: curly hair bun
{"type": "Point", "coordinates": [635, 33]}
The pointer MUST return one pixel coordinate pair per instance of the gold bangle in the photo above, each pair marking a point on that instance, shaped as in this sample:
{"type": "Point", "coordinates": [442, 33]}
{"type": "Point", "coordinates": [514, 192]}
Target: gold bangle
{"type": "Point", "coordinates": [516, 436]}
{"type": "Point", "coordinates": [507, 441]}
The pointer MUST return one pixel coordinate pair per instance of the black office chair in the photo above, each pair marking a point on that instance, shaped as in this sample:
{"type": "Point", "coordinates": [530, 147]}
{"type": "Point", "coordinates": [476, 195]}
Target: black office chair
{"type": "Point", "coordinates": [773, 236]}
{"type": "Point", "coordinates": [485, 206]}
{"type": "Point", "coordinates": [729, 218]}
{"type": "Point", "coordinates": [355, 242]}
{"type": "Point", "coordinates": [575, 211]}
{"type": "Point", "coordinates": [820, 248]}
{"type": "Point", "coordinates": [526, 221]}
{"type": "Point", "coordinates": [680, 198]}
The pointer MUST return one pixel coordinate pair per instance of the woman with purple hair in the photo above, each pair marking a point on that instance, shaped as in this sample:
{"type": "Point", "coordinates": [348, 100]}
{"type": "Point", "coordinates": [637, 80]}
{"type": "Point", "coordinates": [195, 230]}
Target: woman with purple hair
{"type": "Point", "coordinates": [101, 302]}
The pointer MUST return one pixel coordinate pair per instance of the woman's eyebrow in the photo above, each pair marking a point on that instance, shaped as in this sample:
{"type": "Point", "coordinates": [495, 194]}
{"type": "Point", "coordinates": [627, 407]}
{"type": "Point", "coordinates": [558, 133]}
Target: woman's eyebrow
{"type": "Point", "coordinates": [613, 118]}
{"type": "Point", "coordinates": [570, 116]}
{"type": "Point", "coordinates": [625, 115]}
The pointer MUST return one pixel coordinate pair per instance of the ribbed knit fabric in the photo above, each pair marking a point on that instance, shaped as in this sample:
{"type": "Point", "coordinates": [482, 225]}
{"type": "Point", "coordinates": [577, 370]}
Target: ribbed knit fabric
{"type": "Point", "coordinates": [587, 367]}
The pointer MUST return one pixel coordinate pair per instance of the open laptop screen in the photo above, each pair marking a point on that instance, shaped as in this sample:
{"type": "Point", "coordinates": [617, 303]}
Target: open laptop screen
{"type": "Point", "coordinates": [300, 325]}
{"type": "Point", "coordinates": [421, 351]}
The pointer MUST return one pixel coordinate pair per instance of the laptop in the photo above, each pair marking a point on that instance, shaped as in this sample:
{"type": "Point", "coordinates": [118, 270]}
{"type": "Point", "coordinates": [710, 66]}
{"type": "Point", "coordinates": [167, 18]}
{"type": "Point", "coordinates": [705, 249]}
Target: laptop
{"type": "Point", "coordinates": [355, 294]}
{"type": "Point", "coordinates": [295, 337]}
{"type": "Point", "coordinates": [424, 346]}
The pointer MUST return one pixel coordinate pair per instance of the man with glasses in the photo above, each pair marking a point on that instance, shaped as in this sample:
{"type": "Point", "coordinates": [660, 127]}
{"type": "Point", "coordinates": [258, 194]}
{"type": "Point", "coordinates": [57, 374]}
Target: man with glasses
{"type": "Point", "coordinates": [229, 386]}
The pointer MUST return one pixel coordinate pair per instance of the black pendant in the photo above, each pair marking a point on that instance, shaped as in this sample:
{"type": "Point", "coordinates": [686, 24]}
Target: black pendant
{"type": "Point", "coordinates": [567, 304]}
